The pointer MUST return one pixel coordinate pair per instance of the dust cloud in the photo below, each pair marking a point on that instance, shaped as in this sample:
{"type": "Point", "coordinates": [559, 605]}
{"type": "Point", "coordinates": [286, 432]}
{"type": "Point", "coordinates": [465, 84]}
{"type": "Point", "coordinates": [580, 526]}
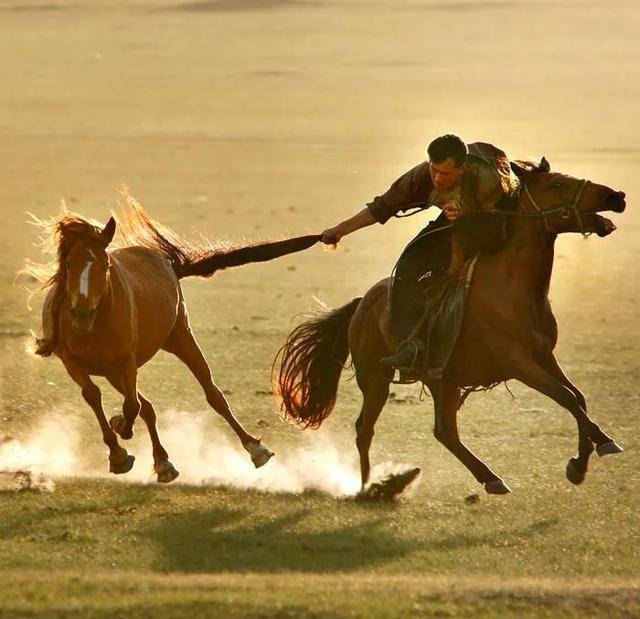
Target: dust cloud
{"type": "Point", "coordinates": [56, 449]}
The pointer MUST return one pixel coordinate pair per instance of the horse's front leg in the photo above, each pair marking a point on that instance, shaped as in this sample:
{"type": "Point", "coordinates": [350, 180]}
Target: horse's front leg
{"type": "Point", "coordinates": [577, 466]}
{"type": "Point", "coordinates": [126, 373]}
{"type": "Point", "coordinates": [446, 398]}
{"type": "Point", "coordinates": [119, 460]}
{"type": "Point", "coordinates": [551, 381]}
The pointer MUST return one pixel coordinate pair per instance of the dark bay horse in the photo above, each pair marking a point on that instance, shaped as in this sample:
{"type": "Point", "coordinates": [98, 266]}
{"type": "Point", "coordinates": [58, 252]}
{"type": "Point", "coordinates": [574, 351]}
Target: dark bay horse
{"type": "Point", "coordinates": [108, 312]}
{"type": "Point", "coordinates": [508, 332]}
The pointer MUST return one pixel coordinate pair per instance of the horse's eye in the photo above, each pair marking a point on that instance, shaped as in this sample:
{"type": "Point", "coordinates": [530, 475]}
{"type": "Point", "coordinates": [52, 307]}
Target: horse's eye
{"type": "Point", "coordinates": [557, 185]}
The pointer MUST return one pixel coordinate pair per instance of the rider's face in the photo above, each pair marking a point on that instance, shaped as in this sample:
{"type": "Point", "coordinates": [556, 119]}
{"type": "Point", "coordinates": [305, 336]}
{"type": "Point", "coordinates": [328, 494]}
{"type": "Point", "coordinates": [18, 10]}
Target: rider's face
{"type": "Point", "coordinates": [446, 174]}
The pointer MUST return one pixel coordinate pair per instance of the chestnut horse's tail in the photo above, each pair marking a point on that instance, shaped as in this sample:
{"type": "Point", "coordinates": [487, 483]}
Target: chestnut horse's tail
{"type": "Point", "coordinates": [218, 259]}
{"type": "Point", "coordinates": [311, 362]}
{"type": "Point", "coordinates": [203, 259]}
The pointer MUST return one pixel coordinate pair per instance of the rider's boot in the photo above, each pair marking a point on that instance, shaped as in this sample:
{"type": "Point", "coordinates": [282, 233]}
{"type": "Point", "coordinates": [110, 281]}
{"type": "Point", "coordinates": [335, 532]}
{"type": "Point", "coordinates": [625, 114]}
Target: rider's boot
{"type": "Point", "coordinates": [406, 357]}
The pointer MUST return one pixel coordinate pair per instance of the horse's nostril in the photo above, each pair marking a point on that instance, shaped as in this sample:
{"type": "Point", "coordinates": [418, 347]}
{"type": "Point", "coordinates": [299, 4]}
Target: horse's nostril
{"type": "Point", "coordinates": [82, 314]}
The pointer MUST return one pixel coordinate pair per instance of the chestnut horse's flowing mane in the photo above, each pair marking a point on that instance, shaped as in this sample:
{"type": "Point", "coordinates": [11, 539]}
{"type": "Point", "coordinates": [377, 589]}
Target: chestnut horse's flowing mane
{"type": "Point", "coordinates": [136, 228]}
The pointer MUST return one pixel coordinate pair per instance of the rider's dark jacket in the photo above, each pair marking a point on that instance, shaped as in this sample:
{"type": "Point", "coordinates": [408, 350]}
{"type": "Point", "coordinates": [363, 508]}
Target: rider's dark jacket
{"type": "Point", "coordinates": [486, 178]}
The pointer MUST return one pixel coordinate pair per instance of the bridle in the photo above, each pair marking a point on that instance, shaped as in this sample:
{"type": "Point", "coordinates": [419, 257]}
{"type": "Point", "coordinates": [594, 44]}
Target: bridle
{"type": "Point", "coordinates": [565, 209]}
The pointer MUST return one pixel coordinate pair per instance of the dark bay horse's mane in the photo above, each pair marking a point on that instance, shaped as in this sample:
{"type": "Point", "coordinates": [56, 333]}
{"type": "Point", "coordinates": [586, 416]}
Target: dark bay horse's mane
{"type": "Point", "coordinates": [484, 232]}
{"type": "Point", "coordinates": [138, 229]}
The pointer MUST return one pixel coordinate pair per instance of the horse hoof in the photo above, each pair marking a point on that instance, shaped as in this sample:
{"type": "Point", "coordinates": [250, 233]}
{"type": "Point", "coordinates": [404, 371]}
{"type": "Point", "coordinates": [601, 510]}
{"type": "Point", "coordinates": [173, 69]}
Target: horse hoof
{"type": "Point", "coordinates": [389, 488]}
{"type": "Point", "coordinates": [574, 474]}
{"type": "Point", "coordinates": [117, 424]}
{"type": "Point", "coordinates": [605, 449]}
{"type": "Point", "coordinates": [166, 472]}
{"type": "Point", "coordinates": [260, 455]}
{"type": "Point", "coordinates": [122, 467]}
{"type": "Point", "coordinates": [497, 486]}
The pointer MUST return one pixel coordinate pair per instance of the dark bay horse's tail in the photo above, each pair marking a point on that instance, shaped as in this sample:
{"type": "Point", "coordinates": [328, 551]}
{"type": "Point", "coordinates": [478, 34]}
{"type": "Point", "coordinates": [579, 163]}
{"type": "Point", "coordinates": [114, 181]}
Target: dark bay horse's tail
{"type": "Point", "coordinates": [204, 259]}
{"type": "Point", "coordinates": [311, 362]}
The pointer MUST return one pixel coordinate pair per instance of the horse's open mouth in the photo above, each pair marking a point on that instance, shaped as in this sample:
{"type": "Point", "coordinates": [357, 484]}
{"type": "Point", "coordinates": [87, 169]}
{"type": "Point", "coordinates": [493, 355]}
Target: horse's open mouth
{"type": "Point", "coordinates": [84, 324]}
{"type": "Point", "coordinates": [603, 226]}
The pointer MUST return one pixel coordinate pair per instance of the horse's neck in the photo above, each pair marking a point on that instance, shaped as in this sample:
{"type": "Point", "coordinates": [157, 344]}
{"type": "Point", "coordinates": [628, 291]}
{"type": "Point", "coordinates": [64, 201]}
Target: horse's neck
{"type": "Point", "coordinates": [118, 290]}
{"type": "Point", "coordinates": [112, 287]}
{"type": "Point", "coordinates": [529, 255]}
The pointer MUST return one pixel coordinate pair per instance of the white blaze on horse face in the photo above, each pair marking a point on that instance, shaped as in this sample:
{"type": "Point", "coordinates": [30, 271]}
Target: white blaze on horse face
{"type": "Point", "coordinates": [84, 276]}
{"type": "Point", "coordinates": [84, 280]}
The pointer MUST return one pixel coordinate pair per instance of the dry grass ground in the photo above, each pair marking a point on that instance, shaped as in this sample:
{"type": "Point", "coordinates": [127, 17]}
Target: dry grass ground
{"type": "Point", "coordinates": [251, 119]}
{"type": "Point", "coordinates": [112, 549]}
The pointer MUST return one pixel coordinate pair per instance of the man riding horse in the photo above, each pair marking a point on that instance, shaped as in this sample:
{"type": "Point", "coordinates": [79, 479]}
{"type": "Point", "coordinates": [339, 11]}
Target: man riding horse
{"type": "Point", "coordinates": [457, 178]}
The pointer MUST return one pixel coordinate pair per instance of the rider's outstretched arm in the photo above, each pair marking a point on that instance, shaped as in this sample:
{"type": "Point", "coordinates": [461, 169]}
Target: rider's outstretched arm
{"type": "Point", "coordinates": [360, 220]}
{"type": "Point", "coordinates": [411, 187]}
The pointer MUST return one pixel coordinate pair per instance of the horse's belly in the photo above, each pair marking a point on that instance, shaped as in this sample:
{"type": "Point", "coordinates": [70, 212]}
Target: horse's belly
{"type": "Point", "coordinates": [475, 368]}
{"type": "Point", "coordinates": [153, 333]}
{"type": "Point", "coordinates": [156, 311]}
{"type": "Point", "coordinates": [473, 362]}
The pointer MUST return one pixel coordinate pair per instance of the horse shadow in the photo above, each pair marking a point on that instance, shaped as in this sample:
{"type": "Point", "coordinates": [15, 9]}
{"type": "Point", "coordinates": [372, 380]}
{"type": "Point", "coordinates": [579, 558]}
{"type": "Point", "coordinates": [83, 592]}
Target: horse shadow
{"type": "Point", "coordinates": [222, 540]}
{"type": "Point", "coordinates": [219, 539]}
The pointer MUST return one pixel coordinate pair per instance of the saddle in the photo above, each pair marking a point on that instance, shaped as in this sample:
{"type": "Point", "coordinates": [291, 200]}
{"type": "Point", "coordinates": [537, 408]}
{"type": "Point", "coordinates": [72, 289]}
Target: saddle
{"type": "Point", "coordinates": [448, 257]}
{"type": "Point", "coordinates": [438, 329]}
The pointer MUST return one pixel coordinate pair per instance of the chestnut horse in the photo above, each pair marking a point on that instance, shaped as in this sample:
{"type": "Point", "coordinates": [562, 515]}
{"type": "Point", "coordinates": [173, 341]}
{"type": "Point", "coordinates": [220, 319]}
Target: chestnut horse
{"type": "Point", "coordinates": [508, 331]}
{"type": "Point", "coordinates": [109, 312]}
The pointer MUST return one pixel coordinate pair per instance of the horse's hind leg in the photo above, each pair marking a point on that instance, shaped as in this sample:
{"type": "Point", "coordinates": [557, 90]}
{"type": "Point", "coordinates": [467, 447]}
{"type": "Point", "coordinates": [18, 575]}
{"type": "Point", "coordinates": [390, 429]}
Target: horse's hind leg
{"type": "Point", "coordinates": [375, 391]}
{"type": "Point", "coordinates": [577, 466]}
{"type": "Point", "coordinates": [119, 460]}
{"type": "Point", "coordinates": [446, 398]}
{"type": "Point", "coordinates": [183, 345]}
{"type": "Point", "coordinates": [163, 467]}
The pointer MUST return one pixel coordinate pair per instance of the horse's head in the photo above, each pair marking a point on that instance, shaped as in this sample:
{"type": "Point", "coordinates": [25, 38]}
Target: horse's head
{"type": "Point", "coordinates": [86, 267]}
{"type": "Point", "coordinates": [567, 204]}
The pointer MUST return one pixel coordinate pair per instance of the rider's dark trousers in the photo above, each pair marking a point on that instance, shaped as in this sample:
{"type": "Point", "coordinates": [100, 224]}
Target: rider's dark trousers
{"type": "Point", "coordinates": [426, 256]}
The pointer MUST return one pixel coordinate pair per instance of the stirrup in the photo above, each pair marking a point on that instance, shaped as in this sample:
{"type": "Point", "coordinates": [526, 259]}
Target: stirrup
{"type": "Point", "coordinates": [400, 359]}
{"type": "Point", "coordinates": [406, 376]}
{"type": "Point", "coordinates": [431, 374]}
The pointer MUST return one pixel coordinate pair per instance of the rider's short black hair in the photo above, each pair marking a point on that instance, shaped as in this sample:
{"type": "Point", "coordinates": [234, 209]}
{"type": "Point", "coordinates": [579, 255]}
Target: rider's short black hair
{"type": "Point", "coordinates": [448, 146]}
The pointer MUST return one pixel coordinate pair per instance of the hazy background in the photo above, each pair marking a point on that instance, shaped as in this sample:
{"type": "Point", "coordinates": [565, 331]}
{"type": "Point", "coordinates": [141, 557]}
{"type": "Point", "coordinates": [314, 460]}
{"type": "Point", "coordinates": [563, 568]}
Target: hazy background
{"type": "Point", "coordinates": [247, 119]}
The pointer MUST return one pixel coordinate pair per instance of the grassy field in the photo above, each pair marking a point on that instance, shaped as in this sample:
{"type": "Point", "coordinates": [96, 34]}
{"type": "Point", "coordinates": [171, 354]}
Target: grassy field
{"type": "Point", "coordinates": [247, 120]}
{"type": "Point", "coordinates": [106, 548]}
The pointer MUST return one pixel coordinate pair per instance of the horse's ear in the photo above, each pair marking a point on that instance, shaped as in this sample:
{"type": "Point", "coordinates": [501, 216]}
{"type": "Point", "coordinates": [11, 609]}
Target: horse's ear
{"type": "Point", "coordinates": [108, 231]}
{"type": "Point", "coordinates": [544, 165]}
{"type": "Point", "coordinates": [520, 171]}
